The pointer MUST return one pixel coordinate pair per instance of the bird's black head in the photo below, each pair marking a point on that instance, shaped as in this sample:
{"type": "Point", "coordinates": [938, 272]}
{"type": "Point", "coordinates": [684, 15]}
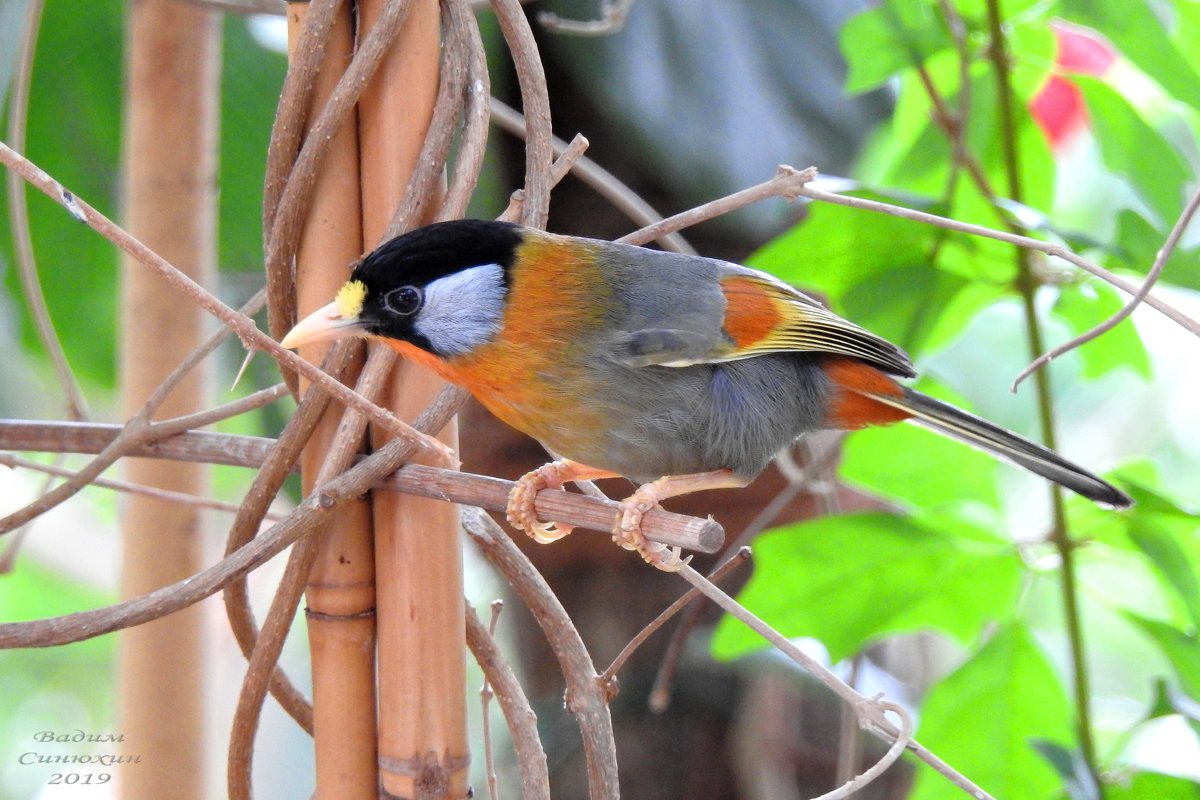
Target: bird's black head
{"type": "Point", "coordinates": [441, 287]}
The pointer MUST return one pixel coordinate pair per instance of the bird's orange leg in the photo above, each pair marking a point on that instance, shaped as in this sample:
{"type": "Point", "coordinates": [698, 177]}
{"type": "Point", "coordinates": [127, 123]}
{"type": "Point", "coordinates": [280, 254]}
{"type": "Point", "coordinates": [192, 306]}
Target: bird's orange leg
{"type": "Point", "coordinates": [520, 511]}
{"type": "Point", "coordinates": [627, 531]}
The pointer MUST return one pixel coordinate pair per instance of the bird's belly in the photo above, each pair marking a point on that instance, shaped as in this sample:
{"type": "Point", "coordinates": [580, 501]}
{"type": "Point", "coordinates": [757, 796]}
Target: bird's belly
{"type": "Point", "coordinates": [647, 422]}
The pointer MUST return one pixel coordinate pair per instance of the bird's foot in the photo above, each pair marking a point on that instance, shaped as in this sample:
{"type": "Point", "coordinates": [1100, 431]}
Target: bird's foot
{"type": "Point", "coordinates": [520, 511]}
{"type": "Point", "coordinates": [627, 530]}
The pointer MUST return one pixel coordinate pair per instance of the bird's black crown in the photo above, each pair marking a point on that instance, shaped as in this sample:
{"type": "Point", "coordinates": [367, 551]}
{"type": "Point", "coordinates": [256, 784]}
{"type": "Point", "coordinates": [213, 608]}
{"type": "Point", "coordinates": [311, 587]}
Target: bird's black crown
{"type": "Point", "coordinates": [422, 256]}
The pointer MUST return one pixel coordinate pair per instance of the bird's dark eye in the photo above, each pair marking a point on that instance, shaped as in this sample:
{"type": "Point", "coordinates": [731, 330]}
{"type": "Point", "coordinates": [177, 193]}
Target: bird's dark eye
{"type": "Point", "coordinates": [403, 301]}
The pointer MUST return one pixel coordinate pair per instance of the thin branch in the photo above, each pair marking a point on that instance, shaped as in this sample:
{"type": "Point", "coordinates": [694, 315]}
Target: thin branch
{"type": "Point", "coordinates": [268, 644]}
{"type": "Point", "coordinates": [605, 184]}
{"type": "Point", "coordinates": [1048, 248]}
{"type": "Point", "coordinates": [312, 512]}
{"type": "Point", "coordinates": [136, 431]}
{"type": "Point", "coordinates": [242, 325]}
{"type": "Point", "coordinates": [787, 183]}
{"type": "Point", "coordinates": [597, 514]}
{"type": "Point", "coordinates": [431, 161]}
{"type": "Point", "coordinates": [1059, 533]}
{"type": "Point", "coordinates": [798, 480]}
{"type": "Point", "coordinates": [1156, 269]}
{"type": "Point", "coordinates": [280, 460]}
{"type": "Point", "coordinates": [283, 149]}
{"type": "Point", "coordinates": [296, 197]}
{"type": "Point", "coordinates": [473, 141]}
{"type": "Point", "coordinates": [535, 99]}
{"type": "Point", "coordinates": [18, 214]}
{"type": "Point", "coordinates": [741, 556]}
{"type": "Point", "coordinates": [521, 719]}
{"type": "Point", "coordinates": [558, 171]}
{"type": "Point", "coordinates": [584, 697]}
{"type": "Point", "coordinates": [485, 699]}
{"type": "Point", "coordinates": [870, 710]}
{"type": "Point", "coordinates": [893, 753]}
{"type": "Point", "coordinates": [611, 21]}
{"type": "Point", "coordinates": [168, 495]}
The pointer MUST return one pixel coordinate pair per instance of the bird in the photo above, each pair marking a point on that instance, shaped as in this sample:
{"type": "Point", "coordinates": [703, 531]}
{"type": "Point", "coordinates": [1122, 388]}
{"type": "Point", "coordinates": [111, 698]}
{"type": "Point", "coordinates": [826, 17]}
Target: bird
{"type": "Point", "coordinates": [678, 372]}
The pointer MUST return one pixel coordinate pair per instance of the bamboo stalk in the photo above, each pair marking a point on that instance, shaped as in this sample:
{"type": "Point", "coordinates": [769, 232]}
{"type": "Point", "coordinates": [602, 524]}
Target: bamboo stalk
{"type": "Point", "coordinates": [340, 592]}
{"type": "Point", "coordinates": [418, 550]}
{"type": "Point", "coordinates": [170, 202]}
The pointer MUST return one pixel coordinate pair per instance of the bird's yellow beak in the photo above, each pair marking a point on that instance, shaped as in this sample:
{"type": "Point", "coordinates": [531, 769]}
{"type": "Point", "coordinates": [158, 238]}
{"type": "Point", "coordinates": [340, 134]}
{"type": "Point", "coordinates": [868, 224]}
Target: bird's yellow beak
{"type": "Point", "coordinates": [337, 320]}
{"type": "Point", "coordinates": [323, 325]}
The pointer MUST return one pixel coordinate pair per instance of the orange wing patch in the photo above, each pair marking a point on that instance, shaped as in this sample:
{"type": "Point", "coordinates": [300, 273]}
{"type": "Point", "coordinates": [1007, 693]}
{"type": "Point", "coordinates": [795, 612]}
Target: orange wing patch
{"type": "Point", "coordinates": [853, 406]}
{"type": "Point", "coordinates": [752, 313]}
{"type": "Point", "coordinates": [763, 315]}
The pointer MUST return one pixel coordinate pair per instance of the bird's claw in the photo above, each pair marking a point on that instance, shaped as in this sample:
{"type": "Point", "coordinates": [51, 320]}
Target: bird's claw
{"type": "Point", "coordinates": [520, 510]}
{"type": "Point", "coordinates": [627, 532]}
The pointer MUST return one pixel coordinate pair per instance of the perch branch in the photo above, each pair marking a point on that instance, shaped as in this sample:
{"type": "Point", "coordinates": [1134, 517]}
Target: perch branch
{"type": "Point", "coordinates": [701, 535]}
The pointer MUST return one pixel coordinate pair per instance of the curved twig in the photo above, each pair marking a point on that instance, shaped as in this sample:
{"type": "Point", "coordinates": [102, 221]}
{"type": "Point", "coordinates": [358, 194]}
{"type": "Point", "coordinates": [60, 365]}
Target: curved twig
{"type": "Point", "coordinates": [585, 697]}
{"type": "Point", "coordinates": [296, 198]}
{"type": "Point", "coordinates": [605, 184]}
{"type": "Point", "coordinates": [865, 707]}
{"type": "Point", "coordinates": [18, 214]}
{"type": "Point", "coordinates": [241, 324]}
{"type": "Point", "coordinates": [535, 99]}
{"type": "Point", "coordinates": [522, 721]}
{"type": "Point", "coordinates": [431, 161]}
{"type": "Point", "coordinates": [473, 142]}
{"type": "Point", "coordinates": [1160, 261]}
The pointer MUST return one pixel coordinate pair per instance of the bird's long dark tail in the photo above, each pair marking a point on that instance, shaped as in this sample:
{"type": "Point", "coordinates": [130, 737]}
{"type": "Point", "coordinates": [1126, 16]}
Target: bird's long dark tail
{"type": "Point", "coordinates": [1004, 444]}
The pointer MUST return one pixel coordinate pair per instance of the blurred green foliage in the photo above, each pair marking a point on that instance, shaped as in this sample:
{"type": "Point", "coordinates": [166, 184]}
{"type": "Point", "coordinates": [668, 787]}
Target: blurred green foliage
{"type": "Point", "coordinates": [962, 553]}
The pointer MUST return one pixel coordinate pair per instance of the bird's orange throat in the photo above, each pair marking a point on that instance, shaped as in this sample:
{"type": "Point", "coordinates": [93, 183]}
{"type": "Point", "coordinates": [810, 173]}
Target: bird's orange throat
{"type": "Point", "coordinates": [552, 305]}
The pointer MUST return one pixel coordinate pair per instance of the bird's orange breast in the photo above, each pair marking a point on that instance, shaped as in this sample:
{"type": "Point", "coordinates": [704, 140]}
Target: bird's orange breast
{"type": "Point", "coordinates": [532, 374]}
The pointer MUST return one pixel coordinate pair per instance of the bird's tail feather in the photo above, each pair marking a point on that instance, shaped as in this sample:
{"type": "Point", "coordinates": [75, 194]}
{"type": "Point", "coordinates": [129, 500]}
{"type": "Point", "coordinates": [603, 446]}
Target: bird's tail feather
{"type": "Point", "coordinates": [1004, 444]}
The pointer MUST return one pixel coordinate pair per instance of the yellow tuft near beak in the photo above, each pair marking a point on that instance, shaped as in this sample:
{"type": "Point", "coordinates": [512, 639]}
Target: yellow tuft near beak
{"type": "Point", "coordinates": [323, 325]}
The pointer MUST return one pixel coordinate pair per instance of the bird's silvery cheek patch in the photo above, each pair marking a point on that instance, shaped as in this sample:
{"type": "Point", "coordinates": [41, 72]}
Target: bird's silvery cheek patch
{"type": "Point", "coordinates": [462, 311]}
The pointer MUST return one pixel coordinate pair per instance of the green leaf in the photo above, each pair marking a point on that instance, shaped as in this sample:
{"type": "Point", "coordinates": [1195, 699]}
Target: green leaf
{"type": "Point", "coordinates": [1137, 246]}
{"type": "Point", "coordinates": [852, 247]}
{"type": "Point", "coordinates": [1072, 767]}
{"type": "Point", "coordinates": [73, 134]}
{"type": "Point", "coordinates": [851, 579]}
{"type": "Point", "coordinates": [865, 256]}
{"type": "Point", "coordinates": [1181, 649]}
{"type": "Point", "coordinates": [1082, 307]}
{"type": "Point", "coordinates": [884, 40]}
{"type": "Point", "coordinates": [918, 466]}
{"type": "Point", "coordinates": [1166, 535]}
{"type": "Point", "coordinates": [1134, 149]}
{"type": "Point", "coordinates": [1154, 786]}
{"type": "Point", "coordinates": [1148, 43]}
{"type": "Point", "coordinates": [984, 717]}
